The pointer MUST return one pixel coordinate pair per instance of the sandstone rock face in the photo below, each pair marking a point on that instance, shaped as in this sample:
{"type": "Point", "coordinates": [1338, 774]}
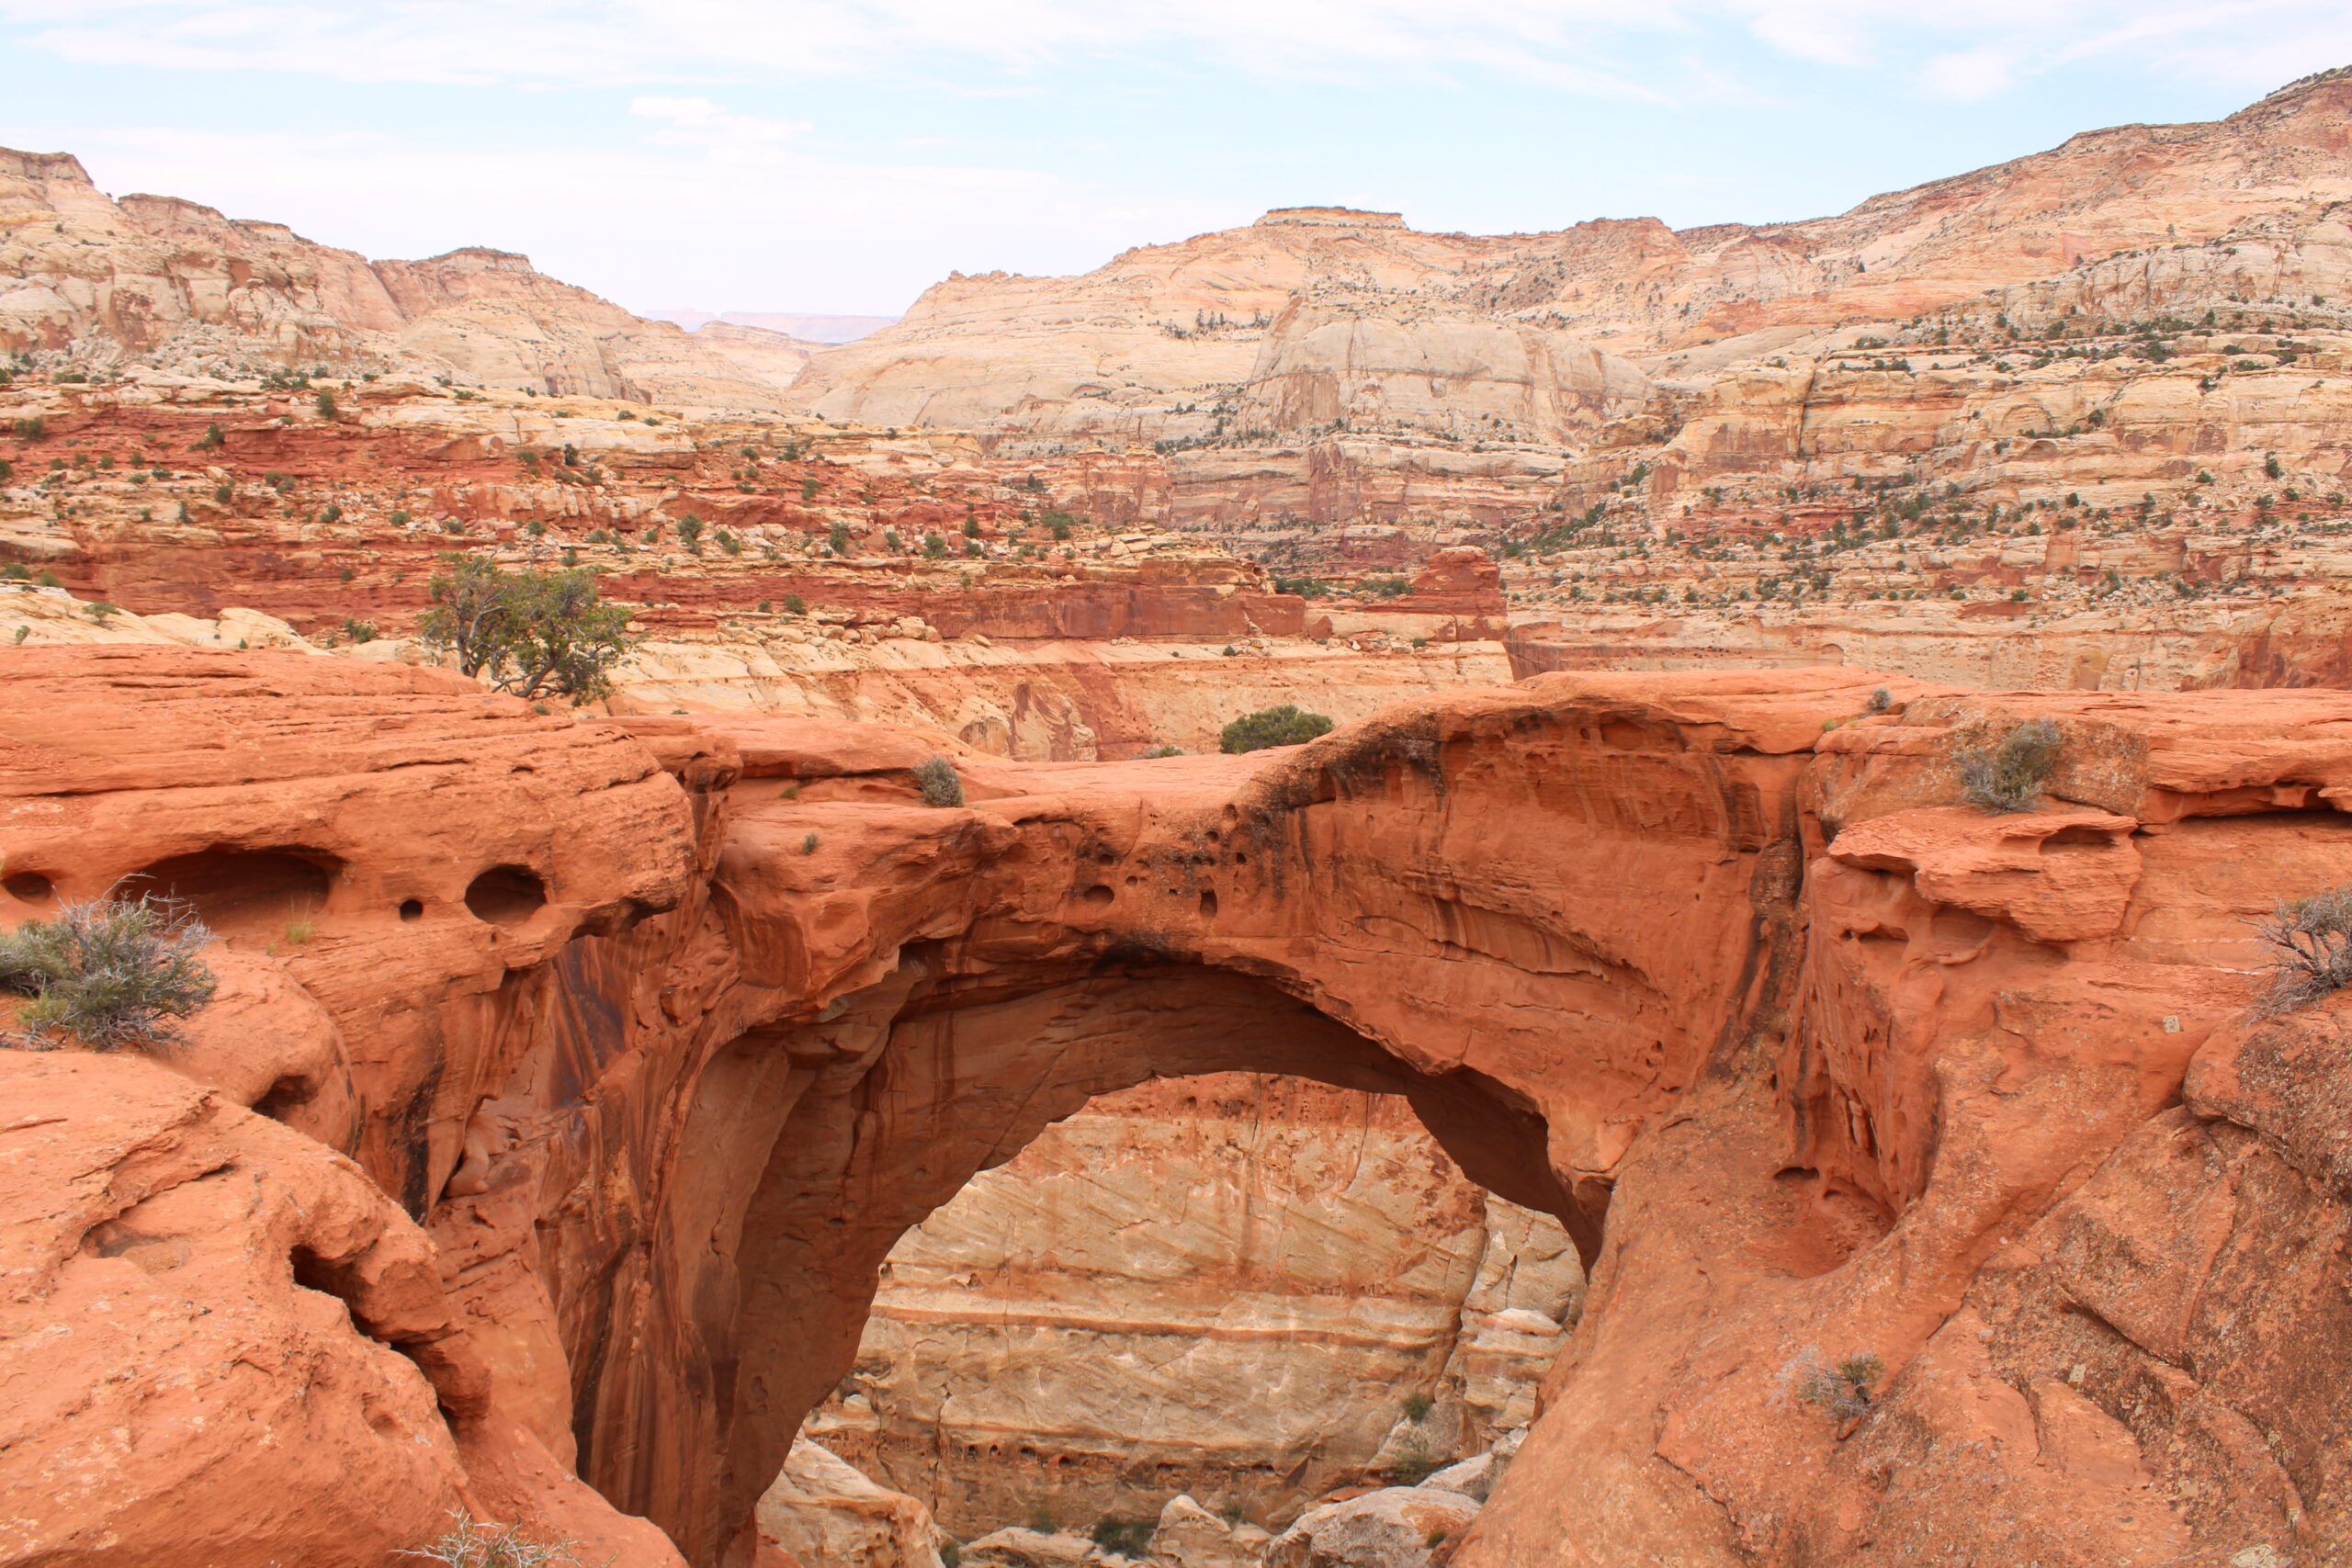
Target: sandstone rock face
{"type": "Point", "coordinates": [1991, 1115]}
{"type": "Point", "coordinates": [172, 283]}
{"type": "Point", "coordinates": [1189, 1536]}
{"type": "Point", "coordinates": [203, 1352]}
{"type": "Point", "coordinates": [1234, 1287]}
{"type": "Point", "coordinates": [820, 1511]}
{"type": "Point", "coordinates": [1398, 1526]}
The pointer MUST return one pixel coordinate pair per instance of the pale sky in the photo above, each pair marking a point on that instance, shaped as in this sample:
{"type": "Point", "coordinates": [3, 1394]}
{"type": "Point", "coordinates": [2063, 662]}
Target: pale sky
{"type": "Point", "coordinates": [838, 156]}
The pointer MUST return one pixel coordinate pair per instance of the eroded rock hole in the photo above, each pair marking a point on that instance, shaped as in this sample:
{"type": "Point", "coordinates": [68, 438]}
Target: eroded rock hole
{"type": "Point", "coordinates": [28, 887]}
{"type": "Point", "coordinates": [1087, 1332]}
{"type": "Point", "coordinates": [1098, 895]}
{"type": "Point", "coordinates": [243, 892]}
{"type": "Point", "coordinates": [411, 909]}
{"type": "Point", "coordinates": [506, 895]}
{"type": "Point", "coordinates": [285, 1095]}
{"type": "Point", "coordinates": [1208, 903]}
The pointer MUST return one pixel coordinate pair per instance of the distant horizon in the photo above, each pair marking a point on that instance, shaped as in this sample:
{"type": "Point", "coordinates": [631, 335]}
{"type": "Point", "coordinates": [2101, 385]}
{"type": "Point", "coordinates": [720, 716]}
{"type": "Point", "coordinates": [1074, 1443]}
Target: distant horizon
{"type": "Point", "coordinates": [847, 154]}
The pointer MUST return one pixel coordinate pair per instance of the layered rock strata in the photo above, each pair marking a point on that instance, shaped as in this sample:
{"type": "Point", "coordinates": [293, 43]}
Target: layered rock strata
{"type": "Point", "coordinates": [1246, 1291]}
{"type": "Point", "coordinates": [1934, 1172]}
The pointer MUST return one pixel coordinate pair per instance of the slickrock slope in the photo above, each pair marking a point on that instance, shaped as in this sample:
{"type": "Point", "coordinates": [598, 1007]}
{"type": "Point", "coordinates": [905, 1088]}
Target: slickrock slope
{"type": "Point", "coordinates": [664, 1034]}
{"type": "Point", "coordinates": [95, 283]}
{"type": "Point", "coordinates": [1227, 1287]}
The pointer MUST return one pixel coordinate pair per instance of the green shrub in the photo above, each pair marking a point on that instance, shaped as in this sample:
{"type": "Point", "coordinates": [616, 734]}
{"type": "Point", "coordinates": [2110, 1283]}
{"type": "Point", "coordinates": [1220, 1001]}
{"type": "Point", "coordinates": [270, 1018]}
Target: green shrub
{"type": "Point", "coordinates": [1843, 1389]}
{"type": "Point", "coordinates": [2010, 776]}
{"type": "Point", "coordinates": [937, 780]}
{"type": "Point", "coordinates": [1123, 1536]}
{"type": "Point", "coordinates": [1284, 725]}
{"type": "Point", "coordinates": [795, 605]}
{"type": "Point", "coordinates": [112, 975]}
{"type": "Point", "coordinates": [1417, 1406]}
{"type": "Point", "coordinates": [530, 633]}
{"type": "Point", "coordinates": [2311, 941]}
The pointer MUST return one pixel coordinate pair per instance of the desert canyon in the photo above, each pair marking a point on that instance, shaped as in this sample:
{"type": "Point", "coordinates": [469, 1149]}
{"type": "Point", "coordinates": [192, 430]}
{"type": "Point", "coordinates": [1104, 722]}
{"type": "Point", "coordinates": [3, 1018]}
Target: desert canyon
{"type": "Point", "coordinates": [1620, 1097]}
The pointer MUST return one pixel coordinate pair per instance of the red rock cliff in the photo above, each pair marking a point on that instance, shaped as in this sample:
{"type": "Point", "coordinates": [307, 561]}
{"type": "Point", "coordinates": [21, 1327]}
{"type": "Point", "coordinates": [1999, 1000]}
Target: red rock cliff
{"type": "Point", "coordinates": [663, 1038]}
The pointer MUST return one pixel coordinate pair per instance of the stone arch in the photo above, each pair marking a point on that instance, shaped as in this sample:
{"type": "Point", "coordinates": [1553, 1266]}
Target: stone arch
{"type": "Point", "coordinates": [810, 1149]}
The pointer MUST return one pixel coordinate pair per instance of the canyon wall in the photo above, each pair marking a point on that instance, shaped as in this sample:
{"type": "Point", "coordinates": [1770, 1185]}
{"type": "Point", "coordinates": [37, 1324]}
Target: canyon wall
{"type": "Point", "coordinates": [1339, 367]}
{"type": "Point", "coordinates": [1924, 1159]}
{"type": "Point", "coordinates": [1245, 1290]}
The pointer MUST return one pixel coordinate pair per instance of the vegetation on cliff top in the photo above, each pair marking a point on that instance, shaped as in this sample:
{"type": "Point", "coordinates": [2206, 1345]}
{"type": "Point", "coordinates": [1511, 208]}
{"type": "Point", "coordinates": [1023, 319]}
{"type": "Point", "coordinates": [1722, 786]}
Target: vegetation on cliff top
{"type": "Point", "coordinates": [2311, 942]}
{"type": "Point", "coordinates": [112, 975]}
{"type": "Point", "coordinates": [1284, 725]}
{"type": "Point", "coordinates": [2007, 777]}
{"type": "Point", "coordinates": [531, 633]}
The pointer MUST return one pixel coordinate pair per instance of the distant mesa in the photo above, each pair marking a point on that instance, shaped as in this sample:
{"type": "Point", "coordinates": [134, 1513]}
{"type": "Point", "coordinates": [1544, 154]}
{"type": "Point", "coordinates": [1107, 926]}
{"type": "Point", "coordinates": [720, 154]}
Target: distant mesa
{"type": "Point", "coordinates": [1334, 218]}
{"type": "Point", "coordinates": [808, 328]}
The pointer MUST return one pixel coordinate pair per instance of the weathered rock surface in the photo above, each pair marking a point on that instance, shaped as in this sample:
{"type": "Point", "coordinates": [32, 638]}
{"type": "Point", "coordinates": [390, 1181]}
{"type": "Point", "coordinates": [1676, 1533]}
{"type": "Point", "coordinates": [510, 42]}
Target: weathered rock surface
{"type": "Point", "coordinates": [1798, 1107]}
{"type": "Point", "coordinates": [820, 1511]}
{"type": "Point", "coordinates": [1396, 1527]}
{"type": "Point", "coordinates": [1230, 1287]}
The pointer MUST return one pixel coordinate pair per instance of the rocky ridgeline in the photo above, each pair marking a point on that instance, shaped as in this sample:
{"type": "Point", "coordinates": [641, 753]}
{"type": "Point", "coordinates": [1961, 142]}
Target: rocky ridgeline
{"type": "Point", "coordinates": [96, 284]}
{"type": "Point", "coordinates": [1353, 370]}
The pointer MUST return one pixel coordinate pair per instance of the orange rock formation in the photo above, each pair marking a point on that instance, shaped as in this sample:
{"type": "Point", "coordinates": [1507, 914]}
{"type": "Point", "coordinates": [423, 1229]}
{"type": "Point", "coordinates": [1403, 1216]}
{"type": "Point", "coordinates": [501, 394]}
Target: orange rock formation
{"type": "Point", "coordinates": [656, 1034]}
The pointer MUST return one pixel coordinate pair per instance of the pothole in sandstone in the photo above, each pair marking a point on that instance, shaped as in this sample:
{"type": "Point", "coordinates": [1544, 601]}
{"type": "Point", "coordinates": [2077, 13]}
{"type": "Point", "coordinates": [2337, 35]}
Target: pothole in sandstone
{"type": "Point", "coordinates": [1258, 1292]}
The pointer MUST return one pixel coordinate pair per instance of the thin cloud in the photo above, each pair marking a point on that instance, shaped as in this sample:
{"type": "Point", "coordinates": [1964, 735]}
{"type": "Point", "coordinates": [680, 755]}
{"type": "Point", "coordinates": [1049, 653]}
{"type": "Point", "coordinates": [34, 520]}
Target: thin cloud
{"type": "Point", "coordinates": [1575, 44]}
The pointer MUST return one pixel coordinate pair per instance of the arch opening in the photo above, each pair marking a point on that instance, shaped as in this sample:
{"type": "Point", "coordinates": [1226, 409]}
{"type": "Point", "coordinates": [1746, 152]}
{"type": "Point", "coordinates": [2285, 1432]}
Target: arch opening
{"type": "Point", "coordinates": [812, 1149]}
{"type": "Point", "coordinates": [1250, 1289]}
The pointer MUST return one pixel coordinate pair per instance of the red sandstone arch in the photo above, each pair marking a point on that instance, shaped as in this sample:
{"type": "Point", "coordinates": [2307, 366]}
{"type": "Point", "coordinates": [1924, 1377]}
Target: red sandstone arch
{"type": "Point", "coordinates": [1848, 1067]}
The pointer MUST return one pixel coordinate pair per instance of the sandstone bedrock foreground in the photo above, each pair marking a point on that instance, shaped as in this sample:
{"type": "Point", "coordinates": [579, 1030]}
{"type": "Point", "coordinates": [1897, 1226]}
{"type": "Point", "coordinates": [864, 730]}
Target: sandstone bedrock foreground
{"type": "Point", "coordinates": [548, 1168]}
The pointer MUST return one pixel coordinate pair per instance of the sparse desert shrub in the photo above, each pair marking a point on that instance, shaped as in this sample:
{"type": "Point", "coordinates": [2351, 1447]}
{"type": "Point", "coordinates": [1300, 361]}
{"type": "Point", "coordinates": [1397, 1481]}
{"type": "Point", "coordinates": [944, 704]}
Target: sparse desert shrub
{"type": "Point", "coordinates": [1413, 1464]}
{"type": "Point", "coordinates": [1165, 751]}
{"type": "Point", "coordinates": [1284, 725]}
{"type": "Point", "coordinates": [1123, 1536]}
{"type": "Point", "coordinates": [2311, 942]}
{"type": "Point", "coordinates": [1843, 1389]}
{"type": "Point", "coordinates": [1417, 1406]}
{"type": "Point", "coordinates": [469, 1542]}
{"type": "Point", "coordinates": [1881, 700]}
{"type": "Point", "coordinates": [937, 780]}
{"type": "Point", "coordinates": [2009, 777]}
{"type": "Point", "coordinates": [113, 975]}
